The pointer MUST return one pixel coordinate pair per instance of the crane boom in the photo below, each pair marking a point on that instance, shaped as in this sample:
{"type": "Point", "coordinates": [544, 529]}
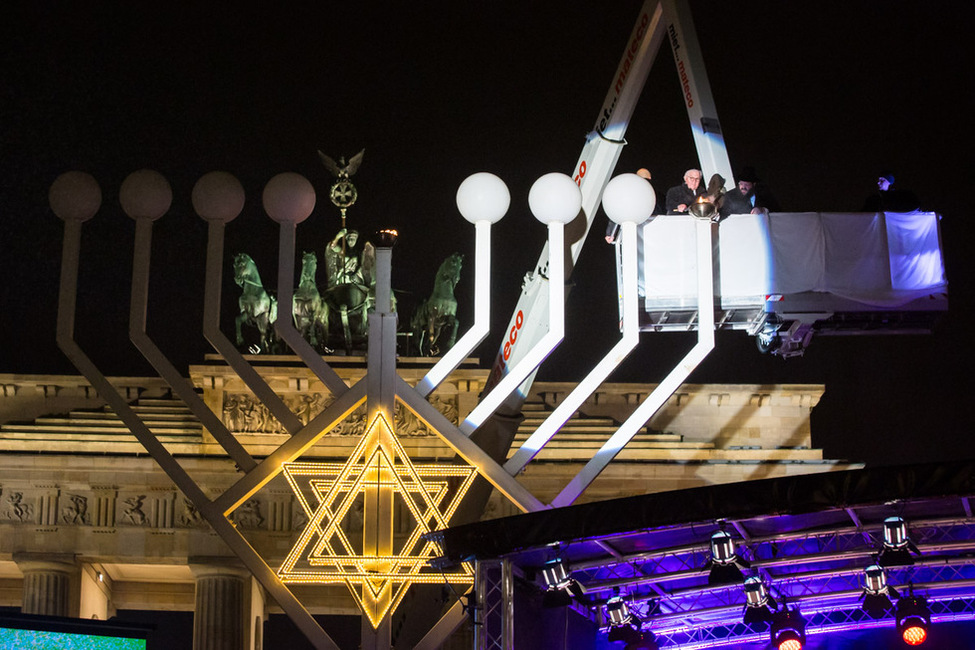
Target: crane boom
{"type": "Point", "coordinates": [658, 20]}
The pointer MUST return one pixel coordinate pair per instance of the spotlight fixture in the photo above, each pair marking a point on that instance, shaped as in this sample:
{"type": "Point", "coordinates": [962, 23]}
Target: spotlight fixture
{"type": "Point", "coordinates": [913, 619]}
{"type": "Point", "coordinates": [560, 589]}
{"type": "Point", "coordinates": [624, 625]}
{"type": "Point", "coordinates": [759, 605]}
{"type": "Point", "coordinates": [618, 611]}
{"type": "Point", "coordinates": [724, 566]}
{"type": "Point", "coordinates": [788, 630]}
{"type": "Point", "coordinates": [556, 574]}
{"type": "Point", "coordinates": [897, 546]}
{"type": "Point", "coordinates": [876, 592]}
{"type": "Point", "coordinates": [722, 548]}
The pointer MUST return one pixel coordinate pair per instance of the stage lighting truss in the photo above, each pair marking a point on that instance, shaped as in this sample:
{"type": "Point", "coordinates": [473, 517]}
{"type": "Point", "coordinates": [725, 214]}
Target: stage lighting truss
{"type": "Point", "coordinates": [832, 573]}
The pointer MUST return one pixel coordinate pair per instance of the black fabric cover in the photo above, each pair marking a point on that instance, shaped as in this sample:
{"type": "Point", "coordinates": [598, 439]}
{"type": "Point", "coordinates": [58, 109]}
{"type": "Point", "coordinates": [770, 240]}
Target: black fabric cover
{"type": "Point", "coordinates": [792, 495]}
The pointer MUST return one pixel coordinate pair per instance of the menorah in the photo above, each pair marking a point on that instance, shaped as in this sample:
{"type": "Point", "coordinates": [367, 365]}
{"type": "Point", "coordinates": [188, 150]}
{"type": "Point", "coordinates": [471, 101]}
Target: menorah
{"type": "Point", "coordinates": [379, 471]}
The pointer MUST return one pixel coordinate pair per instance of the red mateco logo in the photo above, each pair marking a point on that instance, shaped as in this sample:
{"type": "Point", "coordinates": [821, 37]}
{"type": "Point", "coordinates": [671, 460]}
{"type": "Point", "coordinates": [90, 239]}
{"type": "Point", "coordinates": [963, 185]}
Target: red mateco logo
{"type": "Point", "coordinates": [513, 334]}
{"type": "Point", "coordinates": [580, 174]}
{"type": "Point", "coordinates": [502, 361]}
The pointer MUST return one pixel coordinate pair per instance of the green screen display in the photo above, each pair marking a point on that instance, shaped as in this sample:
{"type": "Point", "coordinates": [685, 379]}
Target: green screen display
{"type": "Point", "coordinates": [14, 639]}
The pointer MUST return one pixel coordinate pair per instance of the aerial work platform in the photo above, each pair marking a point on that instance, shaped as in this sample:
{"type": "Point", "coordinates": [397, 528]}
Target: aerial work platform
{"type": "Point", "coordinates": [784, 276]}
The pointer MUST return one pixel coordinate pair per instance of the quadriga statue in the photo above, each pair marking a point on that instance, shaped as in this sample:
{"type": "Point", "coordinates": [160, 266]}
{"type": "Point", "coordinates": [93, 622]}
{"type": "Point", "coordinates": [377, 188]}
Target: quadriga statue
{"type": "Point", "coordinates": [309, 310]}
{"type": "Point", "coordinates": [434, 323]}
{"type": "Point", "coordinates": [257, 308]}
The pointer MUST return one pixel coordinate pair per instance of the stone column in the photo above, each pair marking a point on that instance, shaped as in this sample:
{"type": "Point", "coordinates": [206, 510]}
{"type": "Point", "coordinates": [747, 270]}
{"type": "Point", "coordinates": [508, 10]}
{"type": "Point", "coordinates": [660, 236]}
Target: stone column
{"type": "Point", "coordinates": [222, 599]}
{"type": "Point", "coordinates": [49, 583]}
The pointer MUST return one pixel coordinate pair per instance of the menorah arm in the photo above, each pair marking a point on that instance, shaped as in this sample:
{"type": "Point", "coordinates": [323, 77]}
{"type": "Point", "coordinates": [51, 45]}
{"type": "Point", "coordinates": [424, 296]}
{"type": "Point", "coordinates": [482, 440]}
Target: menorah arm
{"type": "Point", "coordinates": [666, 388]}
{"type": "Point", "coordinates": [159, 361]}
{"type": "Point", "coordinates": [265, 575]}
{"type": "Point", "coordinates": [631, 336]}
{"type": "Point", "coordinates": [482, 314]}
{"type": "Point", "coordinates": [538, 352]}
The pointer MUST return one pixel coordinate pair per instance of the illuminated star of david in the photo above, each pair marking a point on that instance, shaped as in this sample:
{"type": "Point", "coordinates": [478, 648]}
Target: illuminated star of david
{"type": "Point", "coordinates": [378, 573]}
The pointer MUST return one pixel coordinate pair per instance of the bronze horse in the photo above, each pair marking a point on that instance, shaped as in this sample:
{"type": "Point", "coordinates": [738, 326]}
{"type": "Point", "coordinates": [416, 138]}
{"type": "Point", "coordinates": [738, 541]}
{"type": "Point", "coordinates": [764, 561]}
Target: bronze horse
{"type": "Point", "coordinates": [309, 310]}
{"type": "Point", "coordinates": [257, 308]}
{"type": "Point", "coordinates": [434, 322]}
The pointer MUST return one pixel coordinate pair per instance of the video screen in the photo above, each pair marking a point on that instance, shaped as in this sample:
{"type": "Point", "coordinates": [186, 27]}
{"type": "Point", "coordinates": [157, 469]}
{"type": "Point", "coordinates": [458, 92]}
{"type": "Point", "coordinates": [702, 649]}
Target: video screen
{"type": "Point", "coordinates": [21, 631]}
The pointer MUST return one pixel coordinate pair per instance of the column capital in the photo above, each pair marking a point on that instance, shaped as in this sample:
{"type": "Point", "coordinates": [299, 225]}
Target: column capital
{"type": "Point", "coordinates": [207, 566]}
{"type": "Point", "coordinates": [28, 561]}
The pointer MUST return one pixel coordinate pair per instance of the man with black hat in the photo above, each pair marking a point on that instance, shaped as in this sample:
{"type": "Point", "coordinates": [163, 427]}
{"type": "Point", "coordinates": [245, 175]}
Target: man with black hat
{"type": "Point", "coordinates": [887, 199]}
{"type": "Point", "coordinates": [749, 197]}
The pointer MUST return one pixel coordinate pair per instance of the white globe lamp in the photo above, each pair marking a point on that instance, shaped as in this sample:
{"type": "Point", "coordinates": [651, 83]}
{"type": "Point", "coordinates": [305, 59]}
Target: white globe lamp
{"type": "Point", "coordinates": [75, 196]}
{"type": "Point", "coordinates": [628, 198]}
{"type": "Point", "coordinates": [289, 198]}
{"type": "Point", "coordinates": [218, 196]}
{"type": "Point", "coordinates": [555, 198]}
{"type": "Point", "coordinates": [145, 194]}
{"type": "Point", "coordinates": [483, 197]}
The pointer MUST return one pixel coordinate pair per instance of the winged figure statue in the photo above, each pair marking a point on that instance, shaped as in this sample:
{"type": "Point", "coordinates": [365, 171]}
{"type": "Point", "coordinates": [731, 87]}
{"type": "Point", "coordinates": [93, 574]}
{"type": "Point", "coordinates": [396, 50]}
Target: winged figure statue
{"type": "Point", "coordinates": [342, 169]}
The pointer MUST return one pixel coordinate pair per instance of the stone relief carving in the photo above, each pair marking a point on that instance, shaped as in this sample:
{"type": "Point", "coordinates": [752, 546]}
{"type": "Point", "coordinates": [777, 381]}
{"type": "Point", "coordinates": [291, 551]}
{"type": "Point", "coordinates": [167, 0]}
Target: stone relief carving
{"type": "Point", "coordinates": [245, 414]}
{"type": "Point", "coordinates": [188, 516]}
{"type": "Point", "coordinates": [14, 508]}
{"type": "Point", "coordinates": [76, 511]}
{"type": "Point", "coordinates": [132, 511]}
{"type": "Point", "coordinates": [248, 515]}
{"type": "Point", "coordinates": [308, 405]}
{"type": "Point", "coordinates": [448, 407]}
{"type": "Point", "coordinates": [407, 424]}
{"type": "Point", "coordinates": [354, 425]}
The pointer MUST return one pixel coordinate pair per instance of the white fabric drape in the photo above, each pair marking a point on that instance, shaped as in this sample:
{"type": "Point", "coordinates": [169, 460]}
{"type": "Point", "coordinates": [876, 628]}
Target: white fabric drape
{"type": "Point", "coordinates": [879, 259]}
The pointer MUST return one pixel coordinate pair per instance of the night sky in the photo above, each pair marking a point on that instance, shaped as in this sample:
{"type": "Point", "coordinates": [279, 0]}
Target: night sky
{"type": "Point", "coordinates": [818, 98]}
